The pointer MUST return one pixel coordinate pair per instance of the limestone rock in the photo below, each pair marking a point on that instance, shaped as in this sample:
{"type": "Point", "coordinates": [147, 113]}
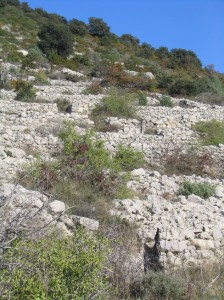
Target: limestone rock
{"type": "Point", "coordinates": [15, 152]}
{"type": "Point", "coordinates": [57, 207]}
{"type": "Point", "coordinates": [89, 224]}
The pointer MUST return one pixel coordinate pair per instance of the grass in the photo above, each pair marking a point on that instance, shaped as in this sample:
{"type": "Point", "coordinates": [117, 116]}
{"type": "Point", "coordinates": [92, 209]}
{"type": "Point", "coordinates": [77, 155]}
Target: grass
{"type": "Point", "coordinates": [210, 132]}
{"type": "Point", "coordinates": [203, 190]}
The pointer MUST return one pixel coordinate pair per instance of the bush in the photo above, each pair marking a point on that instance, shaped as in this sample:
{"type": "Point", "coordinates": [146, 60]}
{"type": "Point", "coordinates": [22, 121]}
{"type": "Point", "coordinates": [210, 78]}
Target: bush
{"type": "Point", "coordinates": [41, 77]}
{"type": "Point", "coordinates": [94, 88]}
{"type": "Point", "coordinates": [128, 158]}
{"type": "Point", "coordinates": [84, 160]}
{"type": "Point", "coordinates": [25, 90]}
{"type": "Point", "coordinates": [166, 101]}
{"type": "Point", "coordinates": [97, 27]}
{"type": "Point", "coordinates": [210, 98]}
{"type": "Point", "coordinates": [54, 268]}
{"type": "Point", "coordinates": [100, 68]}
{"type": "Point", "coordinates": [159, 286]}
{"type": "Point", "coordinates": [35, 58]}
{"type": "Point", "coordinates": [184, 87]}
{"type": "Point", "coordinates": [116, 105]}
{"type": "Point", "coordinates": [55, 38]}
{"type": "Point", "coordinates": [78, 27]}
{"type": "Point", "coordinates": [188, 163]}
{"type": "Point", "coordinates": [211, 132]}
{"type": "Point", "coordinates": [142, 99]}
{"type": "Point", "coordinates": [63, 104]}
{"type": "Point", "coordinates": [118, 77]}
{"type": "Point", "coordinates": [204, 190]}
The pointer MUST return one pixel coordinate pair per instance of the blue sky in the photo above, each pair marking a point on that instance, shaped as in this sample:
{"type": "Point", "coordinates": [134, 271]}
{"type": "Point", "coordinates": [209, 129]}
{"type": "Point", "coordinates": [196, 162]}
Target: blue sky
{"type": "Point", "coordinates": [196, 25]}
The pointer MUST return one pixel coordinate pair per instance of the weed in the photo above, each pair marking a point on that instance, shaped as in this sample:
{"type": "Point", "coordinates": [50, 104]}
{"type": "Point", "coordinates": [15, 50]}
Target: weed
{"type": "Point", "coordinates": [204, 190]}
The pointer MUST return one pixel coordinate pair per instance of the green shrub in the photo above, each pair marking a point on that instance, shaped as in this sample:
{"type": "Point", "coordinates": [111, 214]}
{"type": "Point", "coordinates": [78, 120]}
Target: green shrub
{"type": "Point", "coordinates": [25, 90]}
{"type": "Point", "coordinates": [128, 158]}
{"type": "Point", "coordinates": [204, 190]}
{"type": "Point", "coordinates": [83, 160]}
{"type": "Point", "coordinates": [211, 132]}
{"type": "Point", "coordinates": [78, 27]}
{"type": "Point", "coordinates": [35, 58]}
{"type": "Point", "coordinates": [55, 38]}
{"type": "Point", "coordinates": [62, 104]}
{"type": "Point", "coordinates": [41, 77]}
{"type": "Point", "coordinates": [166, 101]}
{"type": "Point", "coordinates": [142, 99]}
{"type": "Point", "coordinates": [97, 27]}
{"type": "Point", "coordinates": [161, 286]}
{"type": "Point", "coordinates": [116, 105]}
{"type": "Point", "coordinates": [15, 57]}
{"type": "Point", "coordinates": [56, 268]}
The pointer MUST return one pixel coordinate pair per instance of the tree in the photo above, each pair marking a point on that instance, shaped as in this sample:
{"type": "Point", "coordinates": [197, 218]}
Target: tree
{"type": "Point", "coordinates": [186, 59]}
{"type": "Point", "coordinates": [129, 39]}
{"type": "Point", "coordinates": [78, 27]}
{"type": "Point", "coordinates": [25, 7]}
{"type": "Point", "coordinates": [55, 18]}
{"type": "Point", "coordinates": [3, 3]}
{"type": "Point", "coordinates": [162, 52]}
{"type": "Point", "coordinates": [55, 38]}
{"type": "Point", "coordinates": [13, 2]}
{"type": "Point", "coordinates": [145, 50]}
{"type": "Point", "coordinates": [97, 27]}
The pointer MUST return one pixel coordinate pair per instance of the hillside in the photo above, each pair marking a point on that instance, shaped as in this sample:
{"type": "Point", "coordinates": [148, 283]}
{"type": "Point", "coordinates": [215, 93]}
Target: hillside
{"type": "Point", "coordinates": [111, 164]}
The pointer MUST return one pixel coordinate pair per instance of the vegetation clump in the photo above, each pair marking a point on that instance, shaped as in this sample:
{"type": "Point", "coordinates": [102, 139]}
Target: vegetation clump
{"type": "Point", "coordinates": [25, 90]}
{"type": "Point", "coordinates": [188, 162]}
{"type": "Point", "coordinates": [142, 100]}
{"type": "Point", "coordinates": [84, 160]}
{"type": "Point", "coordinates": [166, 101]}
{"type": "Point", "coordinates": [203, 190]}
{"type": "Point", "coordinates": [63, 104]}
{"type": "Point", "coordinates": [55, 268]}
{"type": "Point", "coordinates": [41, 77]}
{"type": "Point", "coordinates": [211, 132]}
{"type": "Point", "coordinates": [159, 286]}
{"type": "Point", "coordinates": [128, 158]}
{"type": "Point", "coordinates": [116, 105]}
{"type": "Point", "coordinates": [94, 89]}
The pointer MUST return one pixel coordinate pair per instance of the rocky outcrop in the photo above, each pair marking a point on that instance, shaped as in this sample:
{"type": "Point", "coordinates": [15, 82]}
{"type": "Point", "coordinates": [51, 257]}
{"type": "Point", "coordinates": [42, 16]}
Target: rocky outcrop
{"type": "Point", "coordinates": [192, 228]}
{"type": "Point", "coordinates": [31, 213]}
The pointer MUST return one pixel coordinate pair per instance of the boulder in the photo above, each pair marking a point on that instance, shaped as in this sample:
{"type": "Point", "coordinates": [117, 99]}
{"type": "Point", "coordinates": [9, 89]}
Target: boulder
{"type": "Point", "coordinates": [89, 224]}
{"type": "Point", "coordinates": [57, 207]}
{"type": "Point", "coordinates": [15, 152]}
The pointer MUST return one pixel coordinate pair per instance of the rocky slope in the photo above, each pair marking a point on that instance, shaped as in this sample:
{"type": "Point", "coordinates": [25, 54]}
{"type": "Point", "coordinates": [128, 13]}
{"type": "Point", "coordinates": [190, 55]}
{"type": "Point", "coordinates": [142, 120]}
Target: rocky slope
{"type": "Point", "coordinates": [192, 229]}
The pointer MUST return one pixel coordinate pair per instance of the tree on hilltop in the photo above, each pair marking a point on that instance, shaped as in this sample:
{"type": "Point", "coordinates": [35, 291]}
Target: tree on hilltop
{"type": "Point", "coordinates": [97, 27]}
{"type": "Point", "coordinates": [78, 27]}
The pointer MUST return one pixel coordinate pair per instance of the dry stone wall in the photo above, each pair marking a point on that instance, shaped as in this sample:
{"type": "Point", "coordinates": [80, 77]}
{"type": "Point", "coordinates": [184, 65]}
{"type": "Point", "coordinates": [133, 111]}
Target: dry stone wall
{"type": "Point", "coordinates": [191, 228]}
